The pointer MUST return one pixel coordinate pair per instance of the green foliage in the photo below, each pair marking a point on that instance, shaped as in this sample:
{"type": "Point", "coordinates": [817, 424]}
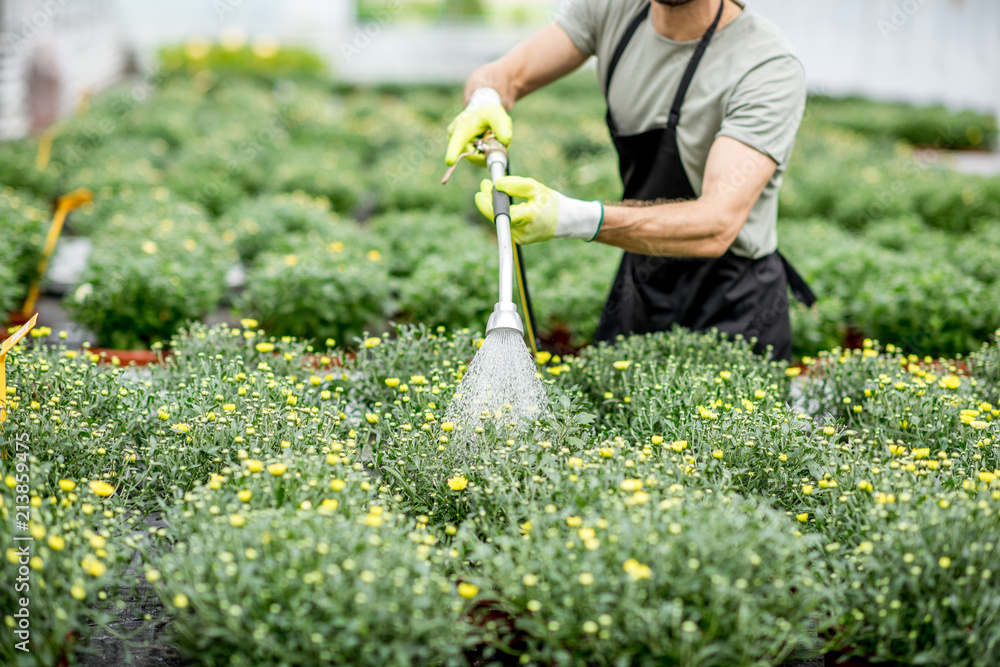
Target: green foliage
{"type": "Point", "coordinates": [681, 500]}
{"type": "Point", "coordinates": [322, 564]}
{"type": "Point", "coordinates": [18, 170]}
{"type": "Point", "coordinates": [262, 61]}
{"type": "Point", "coordinates": [72, 563]}
{"type": "Point", "coordinates": [25, 222]}
{"type": "Point", "coordinates": [925, 126]}
{"type": "Point", "coordinates": [240, 130]}
{"type": "Point", "coordinates": [76, 557]}
{"type": "Point", "coordinates": [9, 299]}
{"type": "Point", "coordinates": [320, 172]}
{"type": "Point", "coordinates": [270, 223]}
{"type": "Point", "coordinates": [333, 589]}
{"type": "Point", "coordinates": [985, 363]}
{"type": "Point", "coordinates": [668, 581]}
{"type": "Point", "coordinates": [147, 275]}
{"type": "Point", "coordinates": [923, 290]}
{"type": "Point", "coordinates": [451, 289]}
{"type": "Point", "coordinates": [330, 286]}
{"type": "Point", "coordinates": [854, 181]}
{"type": "Point", "coordinates": [409, 238]}
{"type": "Point", "coordinates": [93, 440]}
{"type": "Point", "coordinates": [568, 284]}
{"type": "Point", "coordinates": [921, 589]}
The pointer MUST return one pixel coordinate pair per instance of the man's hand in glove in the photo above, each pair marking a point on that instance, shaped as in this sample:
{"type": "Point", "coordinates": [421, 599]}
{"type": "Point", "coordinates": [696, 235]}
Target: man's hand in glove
{"type": "Point", "coordinates": [485, 112]}
{"type": "Point", "coordinates": [546, 214]}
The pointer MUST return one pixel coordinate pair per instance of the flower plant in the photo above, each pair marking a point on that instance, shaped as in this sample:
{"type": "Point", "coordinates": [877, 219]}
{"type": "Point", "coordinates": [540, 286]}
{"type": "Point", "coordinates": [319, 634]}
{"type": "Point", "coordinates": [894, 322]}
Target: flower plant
{"type": "Point", "coordinates": [681, 500]}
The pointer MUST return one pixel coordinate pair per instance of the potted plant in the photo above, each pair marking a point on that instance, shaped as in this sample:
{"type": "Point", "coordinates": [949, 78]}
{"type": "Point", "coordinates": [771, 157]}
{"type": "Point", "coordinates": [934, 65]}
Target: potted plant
{"type": "Point", "coordinates": [24, 221]}
{"type": "Point", "coordinates": [147, 275]}
{"type": "Point", "coordinates": [334, 285]}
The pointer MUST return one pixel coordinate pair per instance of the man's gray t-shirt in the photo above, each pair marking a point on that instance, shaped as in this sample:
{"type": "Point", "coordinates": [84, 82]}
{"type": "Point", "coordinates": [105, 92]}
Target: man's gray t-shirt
{"type": "Point", "coordinates": [749, 86]}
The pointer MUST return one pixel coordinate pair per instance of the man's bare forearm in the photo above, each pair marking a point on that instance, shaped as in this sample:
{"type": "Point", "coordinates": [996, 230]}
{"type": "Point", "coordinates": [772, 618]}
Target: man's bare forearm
{"type": "Point", "coordinates": [539, 60]}
{"type": "Point", "coordinates": [680, 229]}
{"type": "Point", "coordinates": [735, 175]}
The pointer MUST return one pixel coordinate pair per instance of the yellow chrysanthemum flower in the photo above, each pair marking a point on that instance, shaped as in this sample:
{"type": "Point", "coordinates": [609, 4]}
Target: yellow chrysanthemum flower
{"type": "Point", "coordinates": [468, 591]}
{"type": "Point", "coordinates": [101, 488]}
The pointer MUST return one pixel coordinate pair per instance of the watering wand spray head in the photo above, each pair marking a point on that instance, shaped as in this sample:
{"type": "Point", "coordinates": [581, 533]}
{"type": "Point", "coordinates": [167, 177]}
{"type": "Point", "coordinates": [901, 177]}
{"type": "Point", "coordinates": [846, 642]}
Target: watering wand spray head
{"type": "Point", "coordinates": [504, 316]}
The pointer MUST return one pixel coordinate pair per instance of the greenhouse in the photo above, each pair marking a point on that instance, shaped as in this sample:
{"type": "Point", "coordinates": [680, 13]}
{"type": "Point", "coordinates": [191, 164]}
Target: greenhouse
{"type": "Point", "coordinates": [489, 332]}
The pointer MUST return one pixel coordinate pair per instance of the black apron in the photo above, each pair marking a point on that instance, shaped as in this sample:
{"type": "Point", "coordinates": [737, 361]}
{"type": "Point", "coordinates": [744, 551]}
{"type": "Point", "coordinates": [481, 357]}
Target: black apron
{"type": "Point", "coordinates": [733, 294]}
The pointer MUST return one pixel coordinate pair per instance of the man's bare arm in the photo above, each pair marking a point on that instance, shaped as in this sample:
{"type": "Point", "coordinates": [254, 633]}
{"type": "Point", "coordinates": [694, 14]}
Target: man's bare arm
{"type": "Point", "coordinates": [537, 61]}
{"type": "Point", "coordinates": [735, 176]}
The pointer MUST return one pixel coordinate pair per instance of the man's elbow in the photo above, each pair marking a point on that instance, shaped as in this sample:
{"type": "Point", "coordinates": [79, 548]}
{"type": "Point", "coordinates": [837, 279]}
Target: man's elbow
{"type": "Point", "coordinates": [722, 237]}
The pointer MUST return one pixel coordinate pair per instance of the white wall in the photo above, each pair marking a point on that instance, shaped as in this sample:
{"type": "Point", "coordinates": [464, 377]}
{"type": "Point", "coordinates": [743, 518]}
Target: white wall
{"type": "Point", "coordinates": [924, 51]}
{"type": "Point", "coordinates": [148, 24]}
{"type": "Point", "coordinates": [75, 41]}
{"type": "Point", "coordinates": [916, 50]}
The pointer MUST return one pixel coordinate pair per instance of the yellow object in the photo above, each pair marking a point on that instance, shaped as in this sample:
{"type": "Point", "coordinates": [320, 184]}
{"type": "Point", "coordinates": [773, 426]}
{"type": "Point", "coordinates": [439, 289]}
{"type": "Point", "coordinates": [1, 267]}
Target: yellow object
{"type": "Point", "coordinates": [471, 124]}
{"type": "Point", "coordinates": [467, 591]}
{"type": "Point", "coordinates": [45, 147]}
{"type": "Point", "coordinates": [67, 203]}
{"type": "Point", "coordinates": [83, 103]}
{"type": "Point", "coordinates": [530, 326]}
{"type": "Point", "coordinates": [44, 153]}
{"type": "Point", "coordinates": [532, 221]}
{"type": "Point", "coordinates": [6, 347]}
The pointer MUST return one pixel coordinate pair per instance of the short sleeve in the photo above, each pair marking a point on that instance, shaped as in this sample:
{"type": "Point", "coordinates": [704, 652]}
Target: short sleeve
{"type": "Point", "coordinates": [580, 21]}
{"type": "Point", "coordinates": [766, 107]}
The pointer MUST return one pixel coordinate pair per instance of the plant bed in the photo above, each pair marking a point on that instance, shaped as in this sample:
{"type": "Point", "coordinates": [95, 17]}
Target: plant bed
{"type": "Point", "coordinates": [682, 500]}
{"type": "Point", "coordinates": [907, 251]}
{"type": "Point", "coordinates": [672, 503]}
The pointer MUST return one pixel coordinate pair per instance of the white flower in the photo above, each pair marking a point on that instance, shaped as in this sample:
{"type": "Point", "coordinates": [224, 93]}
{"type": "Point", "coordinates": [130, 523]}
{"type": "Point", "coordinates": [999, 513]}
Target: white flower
{"type": "Point", "coordinates": [82, 292]}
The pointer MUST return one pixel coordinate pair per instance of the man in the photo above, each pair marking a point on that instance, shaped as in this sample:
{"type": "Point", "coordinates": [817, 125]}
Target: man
{"type": "Point", "coordinates": [704, 99]}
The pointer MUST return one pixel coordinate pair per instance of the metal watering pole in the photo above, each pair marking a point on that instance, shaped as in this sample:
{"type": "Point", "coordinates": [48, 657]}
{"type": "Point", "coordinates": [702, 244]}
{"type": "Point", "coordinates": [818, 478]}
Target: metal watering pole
{"type": "Point", "coordinates": [501, 383]}
{"type": "Point", "coordinates": [495, 155]}
{"type": "Point", "coordinates": [504, 312]}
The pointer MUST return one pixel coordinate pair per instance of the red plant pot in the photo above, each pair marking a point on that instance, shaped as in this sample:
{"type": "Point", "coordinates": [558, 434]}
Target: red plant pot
{"type": "Point", "coordinates": [16, 318]}
{"type": "Point", "coordinates": [129, 357]}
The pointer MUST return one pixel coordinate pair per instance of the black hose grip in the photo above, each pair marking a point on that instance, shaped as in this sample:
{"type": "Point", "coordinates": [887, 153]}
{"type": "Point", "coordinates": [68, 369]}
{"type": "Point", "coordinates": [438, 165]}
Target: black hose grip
{"type": "Point", "coordinates": [501, 203]}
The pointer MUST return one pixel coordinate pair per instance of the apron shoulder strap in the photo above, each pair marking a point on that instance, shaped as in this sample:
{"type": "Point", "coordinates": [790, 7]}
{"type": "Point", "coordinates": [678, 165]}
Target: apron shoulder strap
{"type": "Point", "coordinates": [699, 51]}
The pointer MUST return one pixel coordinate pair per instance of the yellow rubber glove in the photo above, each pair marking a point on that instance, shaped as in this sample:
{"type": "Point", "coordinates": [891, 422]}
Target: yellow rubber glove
{"type": "Point", "coordinates": [545, 215]}
{"type": "Point", "coordinates": [485, 112]}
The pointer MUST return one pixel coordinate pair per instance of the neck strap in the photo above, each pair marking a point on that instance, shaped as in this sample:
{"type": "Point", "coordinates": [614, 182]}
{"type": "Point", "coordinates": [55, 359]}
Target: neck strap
{"type": "Point", "coordinates": [699, 51]}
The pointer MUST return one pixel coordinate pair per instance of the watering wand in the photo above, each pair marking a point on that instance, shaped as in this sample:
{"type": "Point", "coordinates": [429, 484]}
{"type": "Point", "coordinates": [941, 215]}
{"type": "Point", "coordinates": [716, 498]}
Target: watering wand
{"type": "Point", "coordinates": [504, 312]}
